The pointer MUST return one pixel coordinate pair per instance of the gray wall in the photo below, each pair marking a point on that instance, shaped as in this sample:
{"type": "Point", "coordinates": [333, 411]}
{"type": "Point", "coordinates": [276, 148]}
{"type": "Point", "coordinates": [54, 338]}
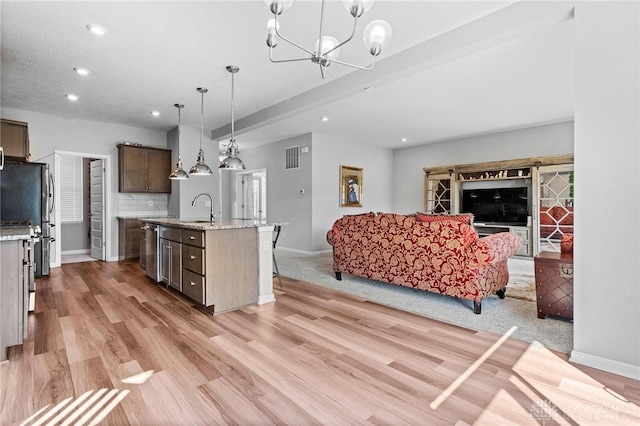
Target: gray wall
{"type": "Point", "coordinates": [311, 213]}
{"type": "Point", "coordinates": [285, 202]}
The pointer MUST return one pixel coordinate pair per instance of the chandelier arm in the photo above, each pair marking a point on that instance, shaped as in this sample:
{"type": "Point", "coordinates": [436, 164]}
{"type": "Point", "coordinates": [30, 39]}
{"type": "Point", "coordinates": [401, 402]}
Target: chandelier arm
{"type": "Point", "coordinates": [319, 52]}
{"type": "Point", "coordinates": [277, 61]}
{"type": "Point", "coordinates": [355, 23]}
{"type": "Point", "coordinates": [367, 68]}
{"type": "Point", "coordinates": [289, 41]}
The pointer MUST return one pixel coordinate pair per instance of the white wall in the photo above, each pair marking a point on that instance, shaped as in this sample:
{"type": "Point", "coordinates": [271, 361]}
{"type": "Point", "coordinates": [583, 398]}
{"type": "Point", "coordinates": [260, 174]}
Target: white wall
{"type": "Point", "coordinates": [607, 191]}
{"type": "Point", "coordinates": [184, 191]}
{"type": "Point", "coordinates": [328, 155]}
{"type": "Point", "coordinates": [408, 163]}
{"type": "Point", "coordinates": [49, 133]}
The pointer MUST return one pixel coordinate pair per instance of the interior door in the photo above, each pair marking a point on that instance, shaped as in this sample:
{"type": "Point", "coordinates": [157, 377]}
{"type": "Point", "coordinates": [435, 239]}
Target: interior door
{"type": "Point", "coordinates": [253, 192]}
{"type": "Point", "coordinates": [96, 211]}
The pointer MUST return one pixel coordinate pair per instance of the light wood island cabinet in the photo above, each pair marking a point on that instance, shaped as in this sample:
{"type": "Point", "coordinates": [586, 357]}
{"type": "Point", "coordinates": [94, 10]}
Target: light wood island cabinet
{"type": "Point", "coordinates": [218, 265]}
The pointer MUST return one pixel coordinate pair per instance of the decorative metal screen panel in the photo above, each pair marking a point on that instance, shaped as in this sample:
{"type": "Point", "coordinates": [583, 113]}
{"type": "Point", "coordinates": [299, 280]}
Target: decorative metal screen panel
{"type": "Point", "coordinates": [556, 208]}
{"type": "Point", "coordinates": [438, 197]}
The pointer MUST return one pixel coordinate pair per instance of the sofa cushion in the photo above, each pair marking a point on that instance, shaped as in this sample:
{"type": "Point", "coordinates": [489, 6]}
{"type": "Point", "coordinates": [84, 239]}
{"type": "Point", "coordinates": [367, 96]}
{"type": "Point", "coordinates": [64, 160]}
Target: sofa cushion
{"type": "Point", "coordinates": [462, 217]}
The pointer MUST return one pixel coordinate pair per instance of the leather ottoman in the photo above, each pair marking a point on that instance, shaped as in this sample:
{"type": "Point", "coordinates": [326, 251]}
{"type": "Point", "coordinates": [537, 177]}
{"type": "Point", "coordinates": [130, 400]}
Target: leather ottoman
{"type": "Point", "coordinates": [554, 284]}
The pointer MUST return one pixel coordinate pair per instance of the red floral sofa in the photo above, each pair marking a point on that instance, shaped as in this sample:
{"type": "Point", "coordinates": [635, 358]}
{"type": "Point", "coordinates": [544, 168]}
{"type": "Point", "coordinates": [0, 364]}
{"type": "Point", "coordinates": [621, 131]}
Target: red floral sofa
{"type": "Point", "coordinates": [429, 252]}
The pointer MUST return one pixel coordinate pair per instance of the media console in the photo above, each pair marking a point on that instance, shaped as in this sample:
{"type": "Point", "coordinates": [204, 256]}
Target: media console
{"type": "Point", "coordinates": [524, 232]}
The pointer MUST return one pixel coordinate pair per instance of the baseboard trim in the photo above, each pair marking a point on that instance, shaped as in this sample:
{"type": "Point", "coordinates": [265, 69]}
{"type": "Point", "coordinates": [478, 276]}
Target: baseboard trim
{"type": "Point", "coordinates": [609, 365]}
{"type": "Point", "coordinates": [72, 252]}
{"type": "Point", "coordinates": [267, 298]}
{"type": "Point", "coordinates": [309, 253]}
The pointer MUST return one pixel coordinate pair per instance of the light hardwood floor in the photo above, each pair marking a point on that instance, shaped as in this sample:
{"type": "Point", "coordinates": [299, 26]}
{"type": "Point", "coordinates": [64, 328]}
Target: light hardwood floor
{"type": "Point", "coordinates": [107, 344]}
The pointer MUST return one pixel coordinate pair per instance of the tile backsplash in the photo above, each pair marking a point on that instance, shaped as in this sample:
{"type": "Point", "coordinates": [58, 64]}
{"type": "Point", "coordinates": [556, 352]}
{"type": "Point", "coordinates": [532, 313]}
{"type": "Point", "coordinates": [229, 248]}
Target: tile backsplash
{"type": "Point", "coordinates": [142, 204]}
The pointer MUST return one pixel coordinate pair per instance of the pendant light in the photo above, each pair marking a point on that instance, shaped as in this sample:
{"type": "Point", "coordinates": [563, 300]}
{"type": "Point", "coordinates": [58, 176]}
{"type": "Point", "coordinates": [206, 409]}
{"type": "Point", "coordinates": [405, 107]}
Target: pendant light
{"type": "Point", "coordinates": [232, 162]}
{"type": "Point", "coordinates": [201, 168]}
{"type": "Point", "coordinates": [178, 173]}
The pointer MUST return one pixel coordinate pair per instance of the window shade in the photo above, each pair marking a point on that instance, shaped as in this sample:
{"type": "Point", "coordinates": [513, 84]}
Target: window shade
{"type": "Point", "coordinates": [71, 184]}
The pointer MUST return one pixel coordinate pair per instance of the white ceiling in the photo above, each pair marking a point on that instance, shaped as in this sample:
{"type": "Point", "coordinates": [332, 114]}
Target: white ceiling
{"type": "Point", "coordinates": [453, 69]}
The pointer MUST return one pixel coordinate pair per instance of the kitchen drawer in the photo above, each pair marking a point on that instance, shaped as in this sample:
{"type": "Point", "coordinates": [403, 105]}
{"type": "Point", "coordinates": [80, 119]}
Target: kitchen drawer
{"type": "Point", "coordinates": [193, 286]}
{"type": "Point", "coordinates": [193, 259]}
{"type": "Point", "coordinates": [194, 238]}
{"type": "Point", "coordinates": [172, 234]}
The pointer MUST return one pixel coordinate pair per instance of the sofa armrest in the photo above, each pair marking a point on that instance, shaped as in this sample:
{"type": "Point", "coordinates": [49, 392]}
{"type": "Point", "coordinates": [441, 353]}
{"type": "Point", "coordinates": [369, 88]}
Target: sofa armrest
{"type": "Point", "coordinates": [333, 236]}
{"type": "Point", "coordinates": [494, 249]}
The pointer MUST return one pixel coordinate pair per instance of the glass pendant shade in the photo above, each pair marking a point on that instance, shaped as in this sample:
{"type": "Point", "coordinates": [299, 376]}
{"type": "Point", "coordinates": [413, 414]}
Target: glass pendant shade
{"type": "Point", "coordinates": [232, 162]}
{"type": "Point", "coordinates": [328, 43]}
{"type": "Point", "coordinates": [278, 6]}
{"type": "Point", "coordinates": [201, 168]}
{"type": "Point", "coordinates": [178, 173]}
{"type": "Point", "coordinates": [377, 36]}
{"type": "Point", "coordinates": [357, 7]}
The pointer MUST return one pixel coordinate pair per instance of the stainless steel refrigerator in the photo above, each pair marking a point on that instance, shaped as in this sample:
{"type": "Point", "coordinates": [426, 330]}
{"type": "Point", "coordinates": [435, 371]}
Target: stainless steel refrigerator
{"type": "Point", "coordinates": [26, 196]}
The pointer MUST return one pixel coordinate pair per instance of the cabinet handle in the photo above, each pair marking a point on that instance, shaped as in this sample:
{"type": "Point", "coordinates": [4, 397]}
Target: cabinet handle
{"type": "Point", "coordinates": [192, 283]}
{"type": "Point", "coordinates": [192, 238]}
{"type": "Point", "coordinates": [192, 257]}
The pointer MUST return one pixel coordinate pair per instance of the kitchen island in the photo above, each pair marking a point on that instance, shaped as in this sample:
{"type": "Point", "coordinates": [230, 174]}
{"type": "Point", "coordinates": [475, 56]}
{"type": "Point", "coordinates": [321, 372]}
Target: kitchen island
{"type": "Point", "coordinates": [223, 264]}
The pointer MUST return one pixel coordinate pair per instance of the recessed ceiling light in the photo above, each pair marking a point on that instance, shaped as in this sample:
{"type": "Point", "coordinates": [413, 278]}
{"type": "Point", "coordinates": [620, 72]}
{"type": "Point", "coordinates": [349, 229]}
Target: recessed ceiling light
{"type": "Point", "coordinates": [81, 71]}
{"type": "Point", "coordinates": [403, 139]}
{"type": "Point", "coordinates": [98, 30]}
{"type": "Point", "coordinates": [72, 97]}
{"type": "Point", "coordinates": [368, 89]}
{"type": "Point", "coordinates": [155, 113]}
{"type": "Point", "coordinates": [325, 118]}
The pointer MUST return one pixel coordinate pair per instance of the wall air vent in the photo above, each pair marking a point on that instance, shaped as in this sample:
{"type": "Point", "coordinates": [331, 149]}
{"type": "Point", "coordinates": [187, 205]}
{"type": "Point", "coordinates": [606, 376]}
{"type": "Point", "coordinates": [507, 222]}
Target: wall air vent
{"type": "Point", "coordinates": [292, 158]}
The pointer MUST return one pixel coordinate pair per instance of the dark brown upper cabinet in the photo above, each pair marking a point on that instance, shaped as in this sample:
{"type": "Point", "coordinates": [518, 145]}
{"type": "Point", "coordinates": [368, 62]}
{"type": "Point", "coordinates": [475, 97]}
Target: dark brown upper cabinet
{"type": "Point", "coordinates": [143, 169]}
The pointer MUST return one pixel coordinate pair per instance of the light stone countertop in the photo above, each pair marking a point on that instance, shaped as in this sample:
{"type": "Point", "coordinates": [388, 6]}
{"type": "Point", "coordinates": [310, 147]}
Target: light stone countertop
{"type": "Point", "coordinates": [14, 232]}
{"type": "Point", "coordinates": [203, 224]}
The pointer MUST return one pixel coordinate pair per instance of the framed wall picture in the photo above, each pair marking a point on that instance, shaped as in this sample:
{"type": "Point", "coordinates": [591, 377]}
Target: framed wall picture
{"type": "Point", "coordinates": [350, 186]}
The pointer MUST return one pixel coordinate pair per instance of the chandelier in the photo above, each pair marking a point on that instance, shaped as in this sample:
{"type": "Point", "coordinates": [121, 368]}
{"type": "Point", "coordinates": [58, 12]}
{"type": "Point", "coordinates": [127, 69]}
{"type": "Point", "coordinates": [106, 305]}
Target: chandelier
{"type": "Point", "coordinates": [376, 36]}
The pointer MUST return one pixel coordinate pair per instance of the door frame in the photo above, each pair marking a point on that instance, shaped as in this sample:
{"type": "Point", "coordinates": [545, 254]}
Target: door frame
{"type": "Point", "coordinates": [106, 187]}
{"type": "Point", "coordinates": [103, 249]}
{"type": "Point", "coordinates": [240, 191]}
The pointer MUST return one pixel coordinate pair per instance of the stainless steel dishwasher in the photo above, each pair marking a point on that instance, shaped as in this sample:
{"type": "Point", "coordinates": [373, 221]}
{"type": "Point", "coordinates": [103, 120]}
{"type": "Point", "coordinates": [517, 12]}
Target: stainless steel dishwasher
{"type": "Point", "coordinates": [151, 251]}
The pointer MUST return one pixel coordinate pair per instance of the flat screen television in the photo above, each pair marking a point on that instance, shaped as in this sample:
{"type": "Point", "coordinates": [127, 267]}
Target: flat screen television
{"type": "Point", "coordinates": [501, 206]}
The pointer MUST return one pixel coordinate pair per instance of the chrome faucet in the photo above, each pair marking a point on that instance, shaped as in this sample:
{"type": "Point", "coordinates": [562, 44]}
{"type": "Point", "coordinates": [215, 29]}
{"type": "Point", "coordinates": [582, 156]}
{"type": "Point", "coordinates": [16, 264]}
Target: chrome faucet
{"type": "Point", "coordinates": [211, 215]}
